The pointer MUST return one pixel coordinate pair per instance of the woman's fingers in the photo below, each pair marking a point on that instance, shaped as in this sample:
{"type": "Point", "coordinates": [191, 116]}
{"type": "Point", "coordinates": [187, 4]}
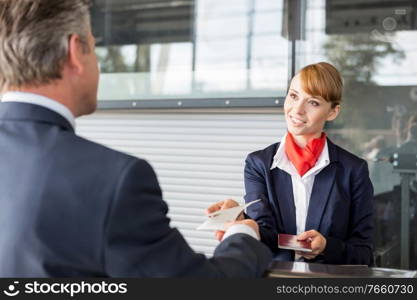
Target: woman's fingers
{"type": "Point", "coordinates": [318, 242]}
{"type": "Point", "coordinates": [224, 204]}
{"type": "Point", "coordinates": [219, 235]}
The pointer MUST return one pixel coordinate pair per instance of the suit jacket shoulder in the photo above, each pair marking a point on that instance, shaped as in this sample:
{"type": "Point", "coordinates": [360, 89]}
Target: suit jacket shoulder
{"type": "Point", "coordinates": [263, 158]}
{"type": "Point", "coordinates": [347, 157]}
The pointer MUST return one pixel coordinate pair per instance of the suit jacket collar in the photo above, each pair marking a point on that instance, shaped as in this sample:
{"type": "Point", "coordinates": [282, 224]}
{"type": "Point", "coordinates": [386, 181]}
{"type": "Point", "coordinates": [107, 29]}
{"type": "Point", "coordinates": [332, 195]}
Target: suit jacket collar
{"type": "Point", "coordinates": [31, 112]}
{"type": "Point", "coordinates": [323, 184]}
{"type": "Point", "coordinates": [333, 154]}
{"type": "Point", "coordinates": [285, 197]}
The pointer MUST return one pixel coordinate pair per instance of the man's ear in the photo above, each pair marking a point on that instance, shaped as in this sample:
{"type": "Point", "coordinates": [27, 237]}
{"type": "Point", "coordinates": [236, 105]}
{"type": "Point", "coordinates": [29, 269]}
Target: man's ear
{"type": "Point", "coordinates": [334, 112]}
{"type": "Point", "coordinates": [75, 54]}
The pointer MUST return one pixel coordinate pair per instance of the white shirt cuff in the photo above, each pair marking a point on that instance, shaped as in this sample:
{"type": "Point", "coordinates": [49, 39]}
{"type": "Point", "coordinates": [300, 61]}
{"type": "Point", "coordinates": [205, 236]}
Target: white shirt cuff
{"type": "Point", "coordinates": [240, 228]}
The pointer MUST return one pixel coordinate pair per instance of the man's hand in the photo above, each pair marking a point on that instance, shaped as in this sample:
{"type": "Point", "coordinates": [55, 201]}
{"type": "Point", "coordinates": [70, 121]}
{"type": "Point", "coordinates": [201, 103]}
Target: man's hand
{"type": "Point", "coordinates": [318, 243]}
{"type": "Point", "coordinates": [228, 203]}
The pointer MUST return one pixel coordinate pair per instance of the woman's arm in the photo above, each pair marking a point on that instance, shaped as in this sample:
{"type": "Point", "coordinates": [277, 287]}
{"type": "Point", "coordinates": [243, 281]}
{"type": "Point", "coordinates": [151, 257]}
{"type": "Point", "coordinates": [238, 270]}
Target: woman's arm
{"type": "Point", "coordinates": [357, 248]}
{"type": "Point", "coordinates": [261, 212]}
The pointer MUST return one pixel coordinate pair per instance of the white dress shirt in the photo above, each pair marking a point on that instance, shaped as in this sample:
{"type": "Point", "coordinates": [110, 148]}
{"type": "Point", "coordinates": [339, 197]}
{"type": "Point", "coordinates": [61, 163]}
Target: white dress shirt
{"type": "Point", "coordinates": [41, 101]}
{"type": "Point", "coordinates": [301, 186]}
{"type": "Point", "coordinates": [240, 228]}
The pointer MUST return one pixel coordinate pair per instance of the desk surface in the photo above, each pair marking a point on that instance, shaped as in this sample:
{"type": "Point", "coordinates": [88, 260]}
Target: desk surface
{"type": "Point", "coordinates": [313, 270]}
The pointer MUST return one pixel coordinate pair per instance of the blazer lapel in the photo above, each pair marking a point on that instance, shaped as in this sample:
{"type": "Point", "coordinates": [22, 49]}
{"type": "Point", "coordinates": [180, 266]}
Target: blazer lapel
{"type": "Point", "coordinates": [323, 184]}
{"type": "Point", "coordinates": [283, 188]}
{"type": "Point", "coordinates": [322, 187]}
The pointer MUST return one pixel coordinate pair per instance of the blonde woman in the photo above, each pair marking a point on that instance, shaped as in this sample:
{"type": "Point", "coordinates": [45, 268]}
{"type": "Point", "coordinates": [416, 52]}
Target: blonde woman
{"type": "Point", "coordinates": [309, 186]}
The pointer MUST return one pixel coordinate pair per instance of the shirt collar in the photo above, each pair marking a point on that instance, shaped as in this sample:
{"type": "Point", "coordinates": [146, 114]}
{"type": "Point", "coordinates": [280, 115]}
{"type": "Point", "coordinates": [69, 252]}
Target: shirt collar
{"type": "Point", "coordinates": [282, 162]}
{"type": "Point", "coordinates": [280, 159]}
{"type": "Point", "coordinates": [36, 99]}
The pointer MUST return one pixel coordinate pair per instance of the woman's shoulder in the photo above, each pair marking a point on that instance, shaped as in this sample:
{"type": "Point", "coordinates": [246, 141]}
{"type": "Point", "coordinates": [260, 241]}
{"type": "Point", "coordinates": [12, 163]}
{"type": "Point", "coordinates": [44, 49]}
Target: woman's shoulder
{"type": "Point", "coordinates": [346, 157]}
{"type": "Point", "coordinates": [265, 154]}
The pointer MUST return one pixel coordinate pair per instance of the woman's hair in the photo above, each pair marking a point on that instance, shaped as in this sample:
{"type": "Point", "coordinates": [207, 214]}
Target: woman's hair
{"type": "Point", "coordinates": [322, 80]}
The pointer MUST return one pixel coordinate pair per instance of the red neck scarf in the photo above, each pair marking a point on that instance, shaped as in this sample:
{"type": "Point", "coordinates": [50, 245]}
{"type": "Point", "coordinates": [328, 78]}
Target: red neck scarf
{"type": "Point", "coordinates": [304, 159]}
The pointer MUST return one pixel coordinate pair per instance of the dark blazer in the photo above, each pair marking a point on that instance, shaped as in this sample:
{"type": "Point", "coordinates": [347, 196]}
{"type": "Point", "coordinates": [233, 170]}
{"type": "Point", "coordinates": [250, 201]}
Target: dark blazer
{"type": "Point", "coordinates": [340, 206]}
{"type": "Point", "coordinates": [71, 207]}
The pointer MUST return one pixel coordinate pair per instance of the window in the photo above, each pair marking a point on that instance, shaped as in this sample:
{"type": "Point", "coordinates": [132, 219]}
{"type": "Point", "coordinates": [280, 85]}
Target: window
{"type": "Point", "coordinates": [373, 44]}
{"type": "Point", "coordinates": [191, 49]}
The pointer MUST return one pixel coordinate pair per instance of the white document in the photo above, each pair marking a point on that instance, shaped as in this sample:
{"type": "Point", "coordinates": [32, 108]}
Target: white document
{"type": "Point", "coordinates": [217, 220]}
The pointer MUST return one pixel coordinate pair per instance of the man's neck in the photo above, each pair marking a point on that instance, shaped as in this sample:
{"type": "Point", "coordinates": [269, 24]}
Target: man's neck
{"type": "Point", "coordinates": [50, 91]}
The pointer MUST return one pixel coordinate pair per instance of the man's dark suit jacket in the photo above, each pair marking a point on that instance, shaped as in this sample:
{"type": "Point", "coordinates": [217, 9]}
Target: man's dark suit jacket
{"type": "Point", "coordinates": [340, 207]}
{"type": "Point", "coordinates": [71, 207]}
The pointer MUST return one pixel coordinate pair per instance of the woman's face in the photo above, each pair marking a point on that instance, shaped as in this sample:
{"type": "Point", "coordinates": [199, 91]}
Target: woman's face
{"type": "Point", "coordinates": [306, 115]}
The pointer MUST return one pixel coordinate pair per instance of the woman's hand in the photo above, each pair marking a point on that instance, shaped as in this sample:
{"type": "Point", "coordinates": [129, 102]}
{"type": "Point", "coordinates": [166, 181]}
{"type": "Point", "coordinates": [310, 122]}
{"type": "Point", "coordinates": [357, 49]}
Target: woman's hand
{"type": "Point", "coordinates": [228, 203]}
{"type": "Point", "coordinates": [318, 243]}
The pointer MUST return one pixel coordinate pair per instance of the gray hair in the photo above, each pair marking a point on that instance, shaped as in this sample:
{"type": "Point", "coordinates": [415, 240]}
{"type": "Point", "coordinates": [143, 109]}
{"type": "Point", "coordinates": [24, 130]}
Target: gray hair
{"type": "Point", "coordinates": [34, 37]}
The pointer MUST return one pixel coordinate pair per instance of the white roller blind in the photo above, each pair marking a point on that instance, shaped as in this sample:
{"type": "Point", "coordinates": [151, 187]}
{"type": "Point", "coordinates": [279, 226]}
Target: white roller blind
{"type": "Point", "coordinates": [199, 158]}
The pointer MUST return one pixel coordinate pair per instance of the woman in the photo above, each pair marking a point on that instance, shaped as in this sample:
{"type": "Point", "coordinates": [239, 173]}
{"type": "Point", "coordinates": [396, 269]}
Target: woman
{"type": "Point", "coordinates": [309, 186]}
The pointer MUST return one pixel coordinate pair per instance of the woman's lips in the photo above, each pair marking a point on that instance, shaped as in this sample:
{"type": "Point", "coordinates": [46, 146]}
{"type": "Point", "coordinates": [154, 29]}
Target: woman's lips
{"type": "Point", "coordinates": [296, 121]}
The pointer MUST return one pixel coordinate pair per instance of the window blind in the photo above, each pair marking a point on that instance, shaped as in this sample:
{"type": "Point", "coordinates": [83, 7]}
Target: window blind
{"type": "Point", "coordinates": [198, 158]}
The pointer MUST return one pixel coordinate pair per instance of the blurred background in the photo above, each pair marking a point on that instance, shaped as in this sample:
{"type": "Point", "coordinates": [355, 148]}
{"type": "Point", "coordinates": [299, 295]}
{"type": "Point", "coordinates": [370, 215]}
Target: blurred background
{"type": "Point", "coordinates": [193, 86]}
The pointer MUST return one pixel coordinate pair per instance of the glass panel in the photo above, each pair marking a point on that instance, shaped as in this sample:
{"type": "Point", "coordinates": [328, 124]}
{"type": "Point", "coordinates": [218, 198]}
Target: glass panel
{"type": "Point", "coordinates": [373, 44]}
{"type": "Point", "coordinates": [190, 49]}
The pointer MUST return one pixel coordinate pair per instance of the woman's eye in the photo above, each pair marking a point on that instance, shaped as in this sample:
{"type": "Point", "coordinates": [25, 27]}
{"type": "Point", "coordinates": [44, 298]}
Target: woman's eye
{"type": "Point", "coordinates": [314, 103]}
{"type": "Point", "coordinates": [293, 96]}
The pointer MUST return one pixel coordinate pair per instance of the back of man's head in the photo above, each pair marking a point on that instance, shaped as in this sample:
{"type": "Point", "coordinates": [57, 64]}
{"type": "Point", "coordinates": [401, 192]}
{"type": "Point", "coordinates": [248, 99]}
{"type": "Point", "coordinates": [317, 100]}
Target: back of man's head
{"type": "Point", "coordinates": [34, 38]}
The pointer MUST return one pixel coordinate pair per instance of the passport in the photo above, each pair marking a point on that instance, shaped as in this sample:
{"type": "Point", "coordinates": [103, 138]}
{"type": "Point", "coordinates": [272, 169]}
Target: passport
{"type": "Point", "coordinates": [290, 242]}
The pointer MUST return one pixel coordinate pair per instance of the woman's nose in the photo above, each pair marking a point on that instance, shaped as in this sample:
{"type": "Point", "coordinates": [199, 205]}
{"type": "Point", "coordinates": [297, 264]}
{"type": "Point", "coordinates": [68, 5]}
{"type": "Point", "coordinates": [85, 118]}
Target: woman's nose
{"type": "Point", "coordinates": [298, 107]}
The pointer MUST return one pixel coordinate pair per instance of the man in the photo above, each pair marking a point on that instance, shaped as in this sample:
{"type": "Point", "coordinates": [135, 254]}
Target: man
{"type": "Point", "coordinates": [71, 207]}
